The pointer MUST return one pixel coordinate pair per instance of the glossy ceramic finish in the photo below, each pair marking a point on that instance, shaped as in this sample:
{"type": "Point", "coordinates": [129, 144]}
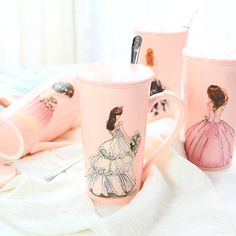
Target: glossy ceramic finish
{"type": "Point", "coordinates": [39, 117]}
{"type": "Point", "coordinates": [210, 105]}
{"type": "Point", "coordinates": [166, 47]}
{"type": "Point", "coordinates": [113, 123]}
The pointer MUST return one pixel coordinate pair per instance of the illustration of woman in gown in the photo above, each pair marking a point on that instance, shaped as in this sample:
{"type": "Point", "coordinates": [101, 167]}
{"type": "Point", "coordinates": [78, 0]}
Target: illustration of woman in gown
{"type": "Point", "coordinates": [111, 173]}
{"type": "Point", "coordinates": [40, 110]}
{"type": "Point", "coordinates": [209, 143]}
{"type": "Point", "coordinates": [156, 85]}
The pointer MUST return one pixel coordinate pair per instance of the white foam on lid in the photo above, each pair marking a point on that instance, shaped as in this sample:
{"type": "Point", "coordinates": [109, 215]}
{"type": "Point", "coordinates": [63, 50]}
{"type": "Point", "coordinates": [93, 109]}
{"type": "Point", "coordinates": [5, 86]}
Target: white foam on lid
{"type": "Point", "coordinates": [215, 52]}
{"type": "Point", "coordinates": [115, 73]}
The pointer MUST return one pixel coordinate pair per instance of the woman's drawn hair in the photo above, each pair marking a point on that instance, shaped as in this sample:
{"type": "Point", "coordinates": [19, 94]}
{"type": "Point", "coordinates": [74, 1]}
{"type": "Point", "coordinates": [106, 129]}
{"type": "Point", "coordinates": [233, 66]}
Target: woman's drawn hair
{"type": "Point", "coordinates": [116, 111]}
{"type": "Point", "coordinates": [64, 88]}
{"type": "Point", "coordinates": [150, 57]}
{"type": "Point", "coordinates": [217, 95]}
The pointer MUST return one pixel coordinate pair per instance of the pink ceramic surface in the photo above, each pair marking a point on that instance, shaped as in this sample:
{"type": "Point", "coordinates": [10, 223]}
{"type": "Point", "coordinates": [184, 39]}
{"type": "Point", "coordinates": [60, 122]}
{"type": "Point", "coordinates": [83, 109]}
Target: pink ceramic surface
{"type": "Point", "coordinates": [162, 51]}
{"type": "Point", "coordinates": [210, 105]}
{"type": "Point", "coordinates": [29, 124]}
{"type": "Point", "coordinates": [114, 103]}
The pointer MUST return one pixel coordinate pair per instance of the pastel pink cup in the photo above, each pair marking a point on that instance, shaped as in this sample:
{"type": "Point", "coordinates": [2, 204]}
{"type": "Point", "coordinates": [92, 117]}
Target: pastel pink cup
{"type": "Point", "coordinates": [211, 104]}
{"type": "Point", "coordinates": [31, 123]}
{"type": "Point", "coordinates": [162, 51]}
{"type": "Point", "coordinates": [114, 103]}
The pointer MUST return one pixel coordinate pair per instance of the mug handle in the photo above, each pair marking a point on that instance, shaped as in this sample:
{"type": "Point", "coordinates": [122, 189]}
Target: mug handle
{"type": "Point", "coordinates": [180, 120]}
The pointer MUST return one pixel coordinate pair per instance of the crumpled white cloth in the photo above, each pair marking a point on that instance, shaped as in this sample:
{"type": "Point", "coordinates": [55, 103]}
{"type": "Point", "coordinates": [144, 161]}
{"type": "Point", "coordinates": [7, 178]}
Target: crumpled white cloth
{"type": "Point", "coordinates": [176, 199]}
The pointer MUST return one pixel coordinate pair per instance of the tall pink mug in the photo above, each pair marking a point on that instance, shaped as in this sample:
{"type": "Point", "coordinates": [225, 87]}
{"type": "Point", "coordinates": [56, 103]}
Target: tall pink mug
{"type": "Point", "coordinates": [209, 130]}
{"type": "Point", "coordinates": [114, 103]}
{"type": "Point", "coordinates": [162, 51]}
{"type": "Point", "coordinates": [31, 123]}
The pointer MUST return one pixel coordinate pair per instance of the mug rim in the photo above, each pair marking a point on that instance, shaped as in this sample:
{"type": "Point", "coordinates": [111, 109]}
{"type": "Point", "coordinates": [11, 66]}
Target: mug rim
{"type": "Point", "coordinates": [20, 152]}
{"type": "Point", "coordinates": [148, 75]}
{"type": "Point", "coordinates": [218, 61]}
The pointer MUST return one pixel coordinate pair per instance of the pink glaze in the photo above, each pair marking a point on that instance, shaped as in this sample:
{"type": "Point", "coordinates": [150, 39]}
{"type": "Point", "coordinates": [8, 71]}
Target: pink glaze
{"type": "Point", "coordinates": [114, 103]}
{"type": "Point", "coordinates": [210, 143]}
{"type": "Point", "coordinates": [166, 47]}
{"type": "Point", "coordinates": [30, 123]}
{"type": "Point", "coordinates": [210, 105]}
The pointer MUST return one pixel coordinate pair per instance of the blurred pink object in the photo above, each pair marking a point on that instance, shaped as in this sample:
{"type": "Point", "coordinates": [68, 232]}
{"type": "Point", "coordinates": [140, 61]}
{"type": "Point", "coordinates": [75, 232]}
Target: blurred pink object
{"type": "Point", "coordinates": [165, 47]}
{"type": "Point", "coordinates": [29, 124]}
{"type": "Point", "coordinates": [114, 103]}
{"type": "Point", "coordinates": [209, 92]}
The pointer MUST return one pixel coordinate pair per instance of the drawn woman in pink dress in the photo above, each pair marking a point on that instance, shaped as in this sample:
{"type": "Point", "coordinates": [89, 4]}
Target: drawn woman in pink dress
{"type": "Point", "coordinates": [209, 143]}
{"type": "Point", "coordinates": [111, 173]}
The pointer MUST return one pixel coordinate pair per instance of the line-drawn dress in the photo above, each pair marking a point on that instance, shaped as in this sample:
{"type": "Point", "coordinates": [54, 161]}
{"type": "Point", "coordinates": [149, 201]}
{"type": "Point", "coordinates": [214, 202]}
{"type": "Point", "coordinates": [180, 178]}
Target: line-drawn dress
{"type": "Point", "coordinates": [209, 143]}
{"type": "Point", "coordinates": [111, 172]}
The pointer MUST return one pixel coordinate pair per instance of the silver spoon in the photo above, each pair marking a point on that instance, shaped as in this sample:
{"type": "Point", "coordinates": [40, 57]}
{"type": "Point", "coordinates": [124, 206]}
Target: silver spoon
{"type": "Point", "coordinates": [54, 173]}
{"type": "Point", "coordinates": [136, 45]}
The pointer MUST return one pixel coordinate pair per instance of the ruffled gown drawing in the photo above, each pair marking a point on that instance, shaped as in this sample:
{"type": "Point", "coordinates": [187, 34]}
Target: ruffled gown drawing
{"type": "Point", "coordinates": [209, 143]}
{"type": "Point", "coordinates": [111, 173]}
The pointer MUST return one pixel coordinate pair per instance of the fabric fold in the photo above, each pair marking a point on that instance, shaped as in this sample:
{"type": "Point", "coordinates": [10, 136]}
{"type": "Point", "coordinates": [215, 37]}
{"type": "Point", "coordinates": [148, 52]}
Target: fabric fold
{"type": "Point", "coordinates": [176, 199]}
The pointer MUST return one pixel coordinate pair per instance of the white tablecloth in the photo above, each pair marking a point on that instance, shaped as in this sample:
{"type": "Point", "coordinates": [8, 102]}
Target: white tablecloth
{"type": "Point", "coordinates": [185, 200]}
{"type": "Point", "coordinates": [177, 198]}
{"type": "Point", "coordinates": [224, 183]}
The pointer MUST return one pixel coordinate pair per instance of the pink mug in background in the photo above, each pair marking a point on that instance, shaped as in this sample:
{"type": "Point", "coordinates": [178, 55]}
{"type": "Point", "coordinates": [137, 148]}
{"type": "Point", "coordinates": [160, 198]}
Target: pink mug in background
{"type": "Point", "coordinates": [114, 103]}
{"type": "Point", "coordinates": [161, 50]}
{"type": "Point", "coordinates": [211, 104]}
{"type": "Point", "coordinates": [29, 124]}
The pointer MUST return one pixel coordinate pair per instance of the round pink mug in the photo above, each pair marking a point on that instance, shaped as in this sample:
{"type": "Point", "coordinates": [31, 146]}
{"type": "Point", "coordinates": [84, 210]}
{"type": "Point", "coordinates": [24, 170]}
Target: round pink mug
{"type": "Point", "coordinates": [162, 51]}
{"type": "Point", "coordinates": [31, 123]}
{"type": "Point", "coordinates": [210, 129]}
{"type": "Point", "coordinates": [114, 103]}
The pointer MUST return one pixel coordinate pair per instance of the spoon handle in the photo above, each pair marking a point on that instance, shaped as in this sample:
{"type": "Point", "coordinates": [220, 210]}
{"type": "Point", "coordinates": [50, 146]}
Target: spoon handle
{"type": "Point", "coordinates": [136, 45]}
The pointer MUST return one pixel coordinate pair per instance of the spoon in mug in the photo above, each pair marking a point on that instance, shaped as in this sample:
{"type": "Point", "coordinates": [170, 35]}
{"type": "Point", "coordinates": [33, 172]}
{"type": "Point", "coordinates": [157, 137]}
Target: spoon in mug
{"type": "Point", "coordinates": [136, 45]}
